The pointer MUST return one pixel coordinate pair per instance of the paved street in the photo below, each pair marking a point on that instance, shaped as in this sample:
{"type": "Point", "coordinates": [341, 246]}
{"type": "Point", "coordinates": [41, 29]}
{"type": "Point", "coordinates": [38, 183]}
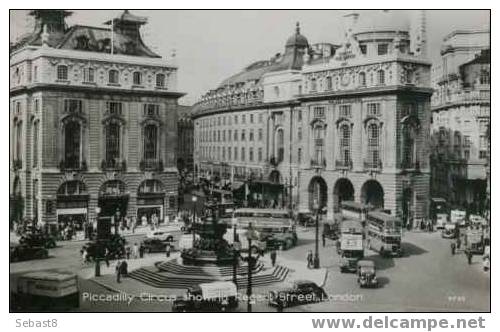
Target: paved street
{"type": "Point", "coordinates": [427, 278]}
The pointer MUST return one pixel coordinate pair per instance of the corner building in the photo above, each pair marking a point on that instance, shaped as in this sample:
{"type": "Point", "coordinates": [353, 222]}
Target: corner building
{"type": "Point", "coordinates": [93, 123]}
{"type": "Point", "coordinates": [340, 122]}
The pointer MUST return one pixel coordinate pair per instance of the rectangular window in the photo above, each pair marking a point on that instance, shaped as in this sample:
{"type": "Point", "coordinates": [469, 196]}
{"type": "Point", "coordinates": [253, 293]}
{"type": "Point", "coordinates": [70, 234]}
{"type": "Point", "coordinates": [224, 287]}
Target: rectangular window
{"type": "Point", "coordinates": [62, 73]}
{"type": "Point", "coordinates": [229, 135]}
{"type": "Point", "coordinates": [113, 108]}
{"type": "Point", "coordinates": [137, 78]}
{"type": "Point", "coordinates": [235, 153]}
{"type": "Point", "coordinates": [251, 118]}
{"type": "Point", "coordinates": [251, 135]}
{"type": "Point", "coordinates": [250, 154]}
{"type": "Point", "coordinates": [345, 111]}
{"type": "Point", "coordinates": [382, 49]}
{"type": "Point", "coordinates": [261, 134]}
{"type": "Point", "coordinates": [229, 153]}
{"type": "Point", "coordinates": [88, 75]}
{"type": "Point", "coordinates": [242, 154]}
{"type": "Point", "coordinates": [319, 111]}
{"type": "Point", "coordinates": [299, 115]}
{"type": "Point", "coordinates": [329, 84]}
{"type": "Point", "coordinates": [235, 119]}
{"type": "Point", "coordinates": [244, 119]}
{"type": "Point", "coordinates": [299, 133]}
{"type": "Point", "coordinates": [243, 138]}
{"type": "Point", "coordinates": [35, 73]}
{"type": "Point", "coordinates": [223, 135]}
{"type": "Point", "coordinates": [72, 106]}
{"type": "Point", "coordinates": [260, 154]}
{"type": "Point", "coordinates": [236, 136]}
{"type": "Point", "coordinates": [35, 144]}
{"type": "Point", "coordinates": [373, 109]}
{"type": "Point", "coordinates": [299, 155]}
{"type": "Point", "coordinates": [261, 120]}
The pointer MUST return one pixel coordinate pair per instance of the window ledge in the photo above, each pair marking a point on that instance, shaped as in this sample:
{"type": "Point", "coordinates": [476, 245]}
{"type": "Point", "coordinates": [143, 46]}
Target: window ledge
{"type": "Point", "coordinates": [90, 83]}
{"type": "Point", "coordinates": [135, 86]}
{"type": "Point", "coordinates": [62, 81]}
{"type": "Point", "coordinates": [114, 84]}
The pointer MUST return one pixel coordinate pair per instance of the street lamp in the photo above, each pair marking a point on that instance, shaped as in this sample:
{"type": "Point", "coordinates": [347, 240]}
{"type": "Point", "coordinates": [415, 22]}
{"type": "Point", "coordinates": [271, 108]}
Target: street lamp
{"type": "Point", "coordinates": [316, 243]}
{"type": "Point", "coordinates": [236, 248]}
{"type": "Point", "coordinates": [194, 199]}
{"type": "Point", "coordinates": [251, 235]}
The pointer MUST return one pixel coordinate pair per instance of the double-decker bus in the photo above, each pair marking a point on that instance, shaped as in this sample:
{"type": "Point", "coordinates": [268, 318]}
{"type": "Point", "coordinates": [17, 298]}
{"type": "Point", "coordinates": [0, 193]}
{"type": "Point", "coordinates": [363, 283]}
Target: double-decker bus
{"type": "Point", "coordinates": [350, 244]}
{"type": "Point", "coordinates": [384, 233]}
{"type": "Point", "coordinates": [354, 210]}
{"type": "Point", "coordinates": [276, 227]}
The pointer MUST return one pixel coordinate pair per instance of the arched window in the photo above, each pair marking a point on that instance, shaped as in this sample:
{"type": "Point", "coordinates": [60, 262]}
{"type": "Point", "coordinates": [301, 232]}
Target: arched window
{"type": "Point", "coordinates": [62, 72]}
{"type": "Point", "coordinates": [362, 79]}
{"type": "Point", "coordinates": [381, 77]}
{"type": "Point", "coordinates": [112, 144]}
{"type": "Point", "coordinates": [160, 80]}
{"type": "Point", "coordinates": [373, 145]}
{"type": "Point", "coordinates": [319, 145]}
{"type": "Point", "coordinates": [150, 142]}
{"type": "Point", "coordinates": [73, 187]}
{"type": "Point", "coordinates": [484, 77]}
{"type": "Point", "coordinates": [280, 145]}
{"type": "Point", "coordinates": [345, 144]}
{"type": "Point", "coordinates": [35, 142]}
{"type": "Point", "coordinates": [137, 78]}
{"type": "Point", "coordinates": [72, 144]}
{"type": "Point", "coordinates": [114, 76]}
{"type": "Point", "coordinates": [409, 133]}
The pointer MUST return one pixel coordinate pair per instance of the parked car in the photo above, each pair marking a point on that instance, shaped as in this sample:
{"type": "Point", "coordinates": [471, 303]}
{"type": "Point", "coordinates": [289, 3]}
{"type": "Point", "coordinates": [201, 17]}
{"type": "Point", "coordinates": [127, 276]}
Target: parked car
{"type": "Point", "coordinates": [156, 245]}
{"type": "Point", "coordinates": [366, 274]}
{"type": "Point", "coordinates": [450, 231]}
{"type": "Point", "coordinates": [284, 239]}
{"type": "Point", "coordinates": [23, 252]}
{"type": "Point", "coordinates": [214, 296]}
{"type": "Point", "coordinates": [301, 292]}
{"type": "Point", "coordinates": [160, 235]}
{"type": "Point", "coordinates": [97, 249]}
{"type": "Point", "coordinates": [38, 239]}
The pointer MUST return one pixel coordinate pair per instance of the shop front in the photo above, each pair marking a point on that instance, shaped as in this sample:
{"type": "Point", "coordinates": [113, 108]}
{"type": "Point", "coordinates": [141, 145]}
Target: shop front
{"type": "Point", "coordinates": [150, 201]}
{"type": "Point", "coordinates": [72, 206]}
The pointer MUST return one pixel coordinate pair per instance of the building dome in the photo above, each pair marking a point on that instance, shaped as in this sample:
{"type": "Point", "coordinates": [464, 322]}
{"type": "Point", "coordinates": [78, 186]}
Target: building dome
{"type": "Point", "coordinates": [297, 40]}
{"type": "Point", "coordinates": [382, 20]}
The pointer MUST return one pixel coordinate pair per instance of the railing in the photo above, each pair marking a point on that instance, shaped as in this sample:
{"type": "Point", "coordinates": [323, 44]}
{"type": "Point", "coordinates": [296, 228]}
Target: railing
{"type": "Point", "coordinates": [151, 165]}
{"type": "Point", "coordinates": [318, 162]}
{"type": "Point", "coordinates": [343, 164]}
{"type": "Point", "coordinates": [72, 165]}
{"type": "Point", "coordinates": [113, 164]}
{"type": "Point", "coordinates": [372, 165]}
{"type": "Point", "coordinates": [463, 97]}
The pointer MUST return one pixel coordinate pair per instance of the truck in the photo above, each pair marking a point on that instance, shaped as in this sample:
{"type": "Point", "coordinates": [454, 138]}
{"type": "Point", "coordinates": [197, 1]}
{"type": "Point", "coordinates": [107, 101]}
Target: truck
{"type": "Point", "coordinates": [350, 245]}
{"type": "Point", "coordinates": [474, 242]}
{"type": "Point", "coordinates": [45, 291]}
{"type": "Point", "coordinates": [458, 217]}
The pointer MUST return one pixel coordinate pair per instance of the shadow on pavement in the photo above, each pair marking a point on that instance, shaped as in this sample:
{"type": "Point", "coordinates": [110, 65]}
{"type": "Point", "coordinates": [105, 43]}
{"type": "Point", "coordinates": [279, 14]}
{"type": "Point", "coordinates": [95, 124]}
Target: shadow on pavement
{"type": "Point", "coordinates": [382, 281]}
{"type": "Point", "coordinates": [409, 249]}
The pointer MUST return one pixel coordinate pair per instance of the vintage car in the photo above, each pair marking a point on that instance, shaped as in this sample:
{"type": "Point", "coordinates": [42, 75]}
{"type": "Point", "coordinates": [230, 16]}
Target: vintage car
{"type": "Point", "coordinates": [306, 219]}
{"type": "Point", "coordinates": [23, 252]}
{"type": "Point", "coordinates": [301, 292]}
{"type": "Point", "coordinates": [156, 245]}
{"type": "Point", "coordinates": [366, 274]}
{"type": "Point", "coordinates": [450, 231]}
{"type": "Point", "coordinates": [38, 239]}
{"type": "Point", "coordinates": [281, 240]}
{"type": "Point", "coordinates": [219, 296]}
{"type": "Point", "coordinates": [160, 235]}
{"type": "Point", "coordinates": [97, 249]}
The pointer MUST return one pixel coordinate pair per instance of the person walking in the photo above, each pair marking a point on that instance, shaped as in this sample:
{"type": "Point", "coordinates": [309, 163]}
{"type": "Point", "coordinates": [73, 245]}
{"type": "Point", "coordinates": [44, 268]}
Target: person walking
{"type": "Point", "coordinates": [106, 256]}
{"type": "Point", "coordinates": [167, 250]}
{"type": "Point", "coordinates": [323, 237]}
{"type": "Point", "coordinates": [127, 252]}
{"type": "Point", "coordinates": [273, 257]}
{"type": "Point", "coordinates": [141, 251]}
{"type": "Point", "coordinates": [453, 248]}
{"type": "Point", "coordinates": [136, 251]}
{"type": "Point", "coordinates": [469, 257]}
{"type": "Point", "coordinates": [118, 271]}
{"type": "Point", "coordinates": [309, 259]}
{"type": "Point", "coordinates": [84, 256]}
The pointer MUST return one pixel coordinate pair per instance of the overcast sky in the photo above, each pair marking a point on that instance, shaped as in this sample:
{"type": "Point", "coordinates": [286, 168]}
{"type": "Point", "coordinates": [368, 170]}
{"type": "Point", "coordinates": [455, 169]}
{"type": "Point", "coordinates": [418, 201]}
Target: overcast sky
{"type": "Point", "coordinates": [212, 45]}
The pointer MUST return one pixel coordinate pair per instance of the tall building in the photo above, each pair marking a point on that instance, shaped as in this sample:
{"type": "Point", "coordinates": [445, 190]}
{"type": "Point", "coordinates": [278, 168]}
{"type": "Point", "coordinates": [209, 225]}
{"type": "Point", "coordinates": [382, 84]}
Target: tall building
{"type": "Point", "coordinates": [324, 123]}
{"type": "Point", "coordinates": [460, 120]}
{"type": "Point", "coordinates": [93, 122]}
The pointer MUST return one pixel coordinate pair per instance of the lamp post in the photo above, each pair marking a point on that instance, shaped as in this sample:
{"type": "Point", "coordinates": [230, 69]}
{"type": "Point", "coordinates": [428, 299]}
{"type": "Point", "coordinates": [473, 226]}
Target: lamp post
{"type": "Point", "coordinates": [194, 199]}
{"type": "Point", "coordinates": [251, 235]}
{"type": "Point", "coordinates": [316, 242]}
{"type": "Point", "coordinates": [97, 260]}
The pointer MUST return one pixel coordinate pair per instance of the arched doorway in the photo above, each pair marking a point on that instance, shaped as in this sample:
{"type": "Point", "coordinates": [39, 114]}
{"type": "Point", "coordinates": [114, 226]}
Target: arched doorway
{"type": "Point", "coordinates": [72, 205]}
{"type": "Point", "coordinates": [343, 191]}
{"type": "Point", "coordinates": [372, 193]}
{"type": "Point", "coordinates": [318, 193]}
{"type": "Point", "coordinates": [150, 200]}
{"type": "Point", "coordinates": [113, 198]}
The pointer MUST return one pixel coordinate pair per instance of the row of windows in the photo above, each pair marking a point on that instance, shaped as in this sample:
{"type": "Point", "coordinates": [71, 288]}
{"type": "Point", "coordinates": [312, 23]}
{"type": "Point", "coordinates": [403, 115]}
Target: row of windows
{"type": "Point", "coordinates": [113, 76]}
{"type": "Point", "coordinates": [229, 119]}
{"type": "Point", "coordinates": [361, 81]}
{"type": "Point", "coordinates": [231, 154]}
{"type": "Point", "coordinates": [220, 135]}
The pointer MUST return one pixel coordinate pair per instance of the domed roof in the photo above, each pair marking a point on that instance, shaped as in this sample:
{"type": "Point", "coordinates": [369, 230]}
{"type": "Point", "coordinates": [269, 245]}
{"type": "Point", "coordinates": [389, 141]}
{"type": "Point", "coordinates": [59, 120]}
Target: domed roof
{"type": "Point", "coordinates": [297, 40]}
{"type": "Point", "coordinates": [382, 20]}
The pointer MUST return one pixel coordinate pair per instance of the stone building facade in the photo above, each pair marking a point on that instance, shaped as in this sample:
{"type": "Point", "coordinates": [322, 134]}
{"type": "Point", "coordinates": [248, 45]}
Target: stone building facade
{"type": "Point", "coordinates": [461, 120]}
{"type": "Point", "coordinates": [327, 122]}
{"type": "Point", "coordinates": [93, 123]}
